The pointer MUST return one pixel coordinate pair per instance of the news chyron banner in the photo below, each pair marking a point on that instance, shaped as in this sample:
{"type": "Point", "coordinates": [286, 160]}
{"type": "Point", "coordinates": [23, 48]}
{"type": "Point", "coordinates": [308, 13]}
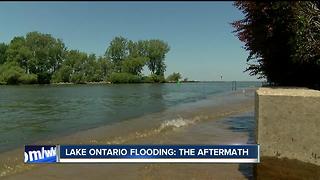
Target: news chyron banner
{"type": "Point", "coordinates": [142, 154]}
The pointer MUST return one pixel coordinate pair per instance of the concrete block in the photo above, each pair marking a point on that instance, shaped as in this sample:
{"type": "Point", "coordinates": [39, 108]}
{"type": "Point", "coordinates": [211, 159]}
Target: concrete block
{"type": "Point", "coordinates": [288, 123]}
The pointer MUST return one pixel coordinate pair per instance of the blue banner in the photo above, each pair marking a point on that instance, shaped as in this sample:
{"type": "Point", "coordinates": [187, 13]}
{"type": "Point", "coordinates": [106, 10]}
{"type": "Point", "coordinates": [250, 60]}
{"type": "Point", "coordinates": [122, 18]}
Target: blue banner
{"type": "Point", "coordinates": [142, 153]}
{"type": "Point", "coordinates": [159, 153]}
{"type": "Point", "coordinates": [40, 154]}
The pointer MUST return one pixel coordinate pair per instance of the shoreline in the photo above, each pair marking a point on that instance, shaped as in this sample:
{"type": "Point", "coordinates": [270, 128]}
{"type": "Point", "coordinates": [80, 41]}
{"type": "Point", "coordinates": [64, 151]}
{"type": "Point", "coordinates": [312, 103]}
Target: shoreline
{"type": "Point", "coordinates": [108, 82]}
{"type": "Point", "coordinates": [221, 98]}
{"type": "Point", "coordinates": [154, 125]}
{"type": "Point", "coordinates": [190, 134]}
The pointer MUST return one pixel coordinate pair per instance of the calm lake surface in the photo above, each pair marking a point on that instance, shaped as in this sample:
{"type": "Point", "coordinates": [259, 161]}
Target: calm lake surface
{"type": "Point", "coordinates": [33, 112]}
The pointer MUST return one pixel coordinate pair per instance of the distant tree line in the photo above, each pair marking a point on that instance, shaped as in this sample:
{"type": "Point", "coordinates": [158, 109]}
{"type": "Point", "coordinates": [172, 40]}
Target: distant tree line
{"type": "Point", "coordinates": [41, 58]}
{"type": "Point", "coordinates": [283, 38]}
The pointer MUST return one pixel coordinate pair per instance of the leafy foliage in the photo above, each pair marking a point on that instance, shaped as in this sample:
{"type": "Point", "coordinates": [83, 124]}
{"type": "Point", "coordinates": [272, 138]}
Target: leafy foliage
{"type": "Point", "coordinates": [11, 73]}
{"type": "Point", "coordinates": [134, 65]}
{"type": "Point", "coordinates": [283, 39]}
{"type": "Point", "coordinates": [124, 78]}
{"type": "Point", "coordinates": [156, 51]}
{"type": "Point", "coordinates": [3, 49]}
{"type": "Point", "coordinates": [174, 77]}
{"type": "Point", "coordinates": [37, 53]}
{"type": "Point", "coordinates": [154, 78]}
{"type": "Point", "coordinates": [117, 52]}
{"type": "Point", "coordinates": [44, 58]}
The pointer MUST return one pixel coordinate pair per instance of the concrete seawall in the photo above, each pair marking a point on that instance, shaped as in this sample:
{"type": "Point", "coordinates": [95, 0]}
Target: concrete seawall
{"type": "Point", "coordinates": [288, 123]}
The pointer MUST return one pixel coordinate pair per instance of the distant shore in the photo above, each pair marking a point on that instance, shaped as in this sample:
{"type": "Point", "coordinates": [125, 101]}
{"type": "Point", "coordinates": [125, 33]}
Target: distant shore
{"type": "Point", "coordinates": [108, 82]}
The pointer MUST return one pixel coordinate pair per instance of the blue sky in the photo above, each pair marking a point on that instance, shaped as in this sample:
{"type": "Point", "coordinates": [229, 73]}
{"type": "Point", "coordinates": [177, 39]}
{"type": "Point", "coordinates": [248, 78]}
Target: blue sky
{"type": "Point", "coordinates": [203, 46]}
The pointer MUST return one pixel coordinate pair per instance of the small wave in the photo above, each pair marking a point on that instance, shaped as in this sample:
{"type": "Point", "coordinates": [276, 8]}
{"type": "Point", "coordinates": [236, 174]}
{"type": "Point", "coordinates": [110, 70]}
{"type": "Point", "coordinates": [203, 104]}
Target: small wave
{"type": "Point", "coordinates": [165, 126]}
{"type": "Point", "coordinates": [177, 123]}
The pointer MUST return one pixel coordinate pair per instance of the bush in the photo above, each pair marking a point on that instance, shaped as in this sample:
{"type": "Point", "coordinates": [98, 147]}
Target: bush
{"type": "Point", "coordinates": [124, 78]}
{"type": "Point", "coordinates": [283, 41]}
{"type": "Point", "coordinates": [12, 77]}
{"type": "Point", "coordinates": [153, 78]}
{"type": "Point", "coordinates": [44, 77]}
{"type": "Point", "coordinates": [28, 79]}
{"type": "Point", "coordinates": [11, 73]}
{"type": "Point", "coordinates": [62, 75]}
{"type": "Point", "coordinates": [147, 79]}
{"type": "Point", "coordinates": [78, 78]}
{"type": "Point", "coordinates": [174, 77]}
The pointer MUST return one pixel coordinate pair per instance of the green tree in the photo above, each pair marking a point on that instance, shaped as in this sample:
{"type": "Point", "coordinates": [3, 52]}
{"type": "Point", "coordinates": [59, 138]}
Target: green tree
{"type": "Point", "coordinates": [79, 67]}
{"type": "Point", "coordinates": [130, 57]}
{"type": "Point", "coordinates": [106, 66]}
{"type": "Point", "coordinates": [174, 77]}
{"type": "Point", "coordinates": [63, 74]}
{"type": "Point", "coordinates": [153, 78]}
{"type": "Point", "coordinates": [72, 66]}
{"type": "Point", "coordinates": [124, 78]}
{"type": "Point", "coordinates": [134, 65]}
{"type": "Point", "coordinates": [3, 49]}
{"type": "Point", "coordinates": [47, 55]}
{"type": "Point", "coordinates": [117, 52]}
{"type": "Point", "coordinates": [48, 59]}
{"type": "Point", "coordinates": [12, 73]}
{"type": "Point", "coordinates": [17, 51]}
{"type": "Point", "coordinates": [156, 51]}
{"type": "Point", "coordinates": [133, 49]}
{"type": "Point", "coordinates": [37, 53]}
{"type": "Point", "coordinates": [92, 70]}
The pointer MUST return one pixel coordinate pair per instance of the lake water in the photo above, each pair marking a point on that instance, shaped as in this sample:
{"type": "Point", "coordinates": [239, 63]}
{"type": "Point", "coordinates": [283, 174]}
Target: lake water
{"type": "Point", "coordinates": [30, 113]}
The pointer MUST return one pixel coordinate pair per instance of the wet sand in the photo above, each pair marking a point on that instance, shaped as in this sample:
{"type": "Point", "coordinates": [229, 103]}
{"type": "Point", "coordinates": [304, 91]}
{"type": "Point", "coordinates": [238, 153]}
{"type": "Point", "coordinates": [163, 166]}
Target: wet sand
{"type": "Point", "coordinates": [202, 125]}
{"type": "Point", "coordinates": [274, 168]}
{"type": "Point", "coordinates": [196, 134]}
